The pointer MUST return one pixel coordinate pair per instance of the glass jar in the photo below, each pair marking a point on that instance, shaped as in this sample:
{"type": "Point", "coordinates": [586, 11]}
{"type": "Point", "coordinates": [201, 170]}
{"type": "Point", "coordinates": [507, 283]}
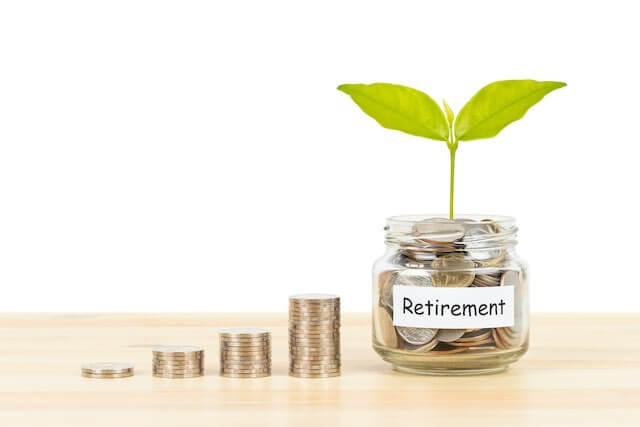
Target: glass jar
{"type": "Point", "coordinates": [450, 297]}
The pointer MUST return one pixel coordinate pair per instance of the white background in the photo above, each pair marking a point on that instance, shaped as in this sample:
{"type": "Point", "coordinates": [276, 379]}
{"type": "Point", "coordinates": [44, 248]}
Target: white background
{"type": "Point", "coordinates": [196, 156]}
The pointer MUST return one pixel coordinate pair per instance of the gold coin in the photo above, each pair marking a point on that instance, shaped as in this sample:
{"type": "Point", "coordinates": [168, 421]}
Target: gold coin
{"type": "Point", "coordinates": [456, 271]}
{"type": "Point", "coordinates": [448, 351]}
{"type": "Point", "coordinates": [471, 343]}
{"type": "Point", "coordinates": [383, 325]}
{"type": "Point", "coordinates": [478, 335]}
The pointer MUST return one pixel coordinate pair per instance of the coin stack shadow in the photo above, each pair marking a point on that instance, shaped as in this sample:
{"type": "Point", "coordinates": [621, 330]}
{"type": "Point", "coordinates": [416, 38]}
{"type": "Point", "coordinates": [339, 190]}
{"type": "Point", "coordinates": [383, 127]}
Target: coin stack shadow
{"type": "Point", "coordinates": [245, 353]}
{"type": "Point", "coordinates": [314, 336]}
{"type": "Point", "coordinates": [107, 370]}
{"type": "Point", "coordinates": [178, 361]}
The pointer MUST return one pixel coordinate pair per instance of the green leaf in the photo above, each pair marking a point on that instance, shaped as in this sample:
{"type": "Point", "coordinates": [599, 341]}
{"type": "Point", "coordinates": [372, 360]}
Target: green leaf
{"type": "Point", "coordinates": [498, 104]}
{"type": "Point", "coordinates": [400, 108]}
{"type": "Point", "coordinates": [449, 112]}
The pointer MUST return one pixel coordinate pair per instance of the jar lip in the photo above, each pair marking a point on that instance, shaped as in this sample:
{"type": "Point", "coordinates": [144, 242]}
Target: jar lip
{"type": "Point", "coordinates": [427, 218]}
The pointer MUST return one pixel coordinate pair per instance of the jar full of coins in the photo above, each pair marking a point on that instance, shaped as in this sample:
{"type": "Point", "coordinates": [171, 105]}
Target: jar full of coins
{"type": "Point", "coordinates": [450, 297]}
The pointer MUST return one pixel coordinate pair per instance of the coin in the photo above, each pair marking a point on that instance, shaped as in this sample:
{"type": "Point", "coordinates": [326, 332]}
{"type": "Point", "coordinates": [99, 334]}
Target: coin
{"type": "Point", "coordinates": [477, 335]}
{"type": "Point", "coordinates": [107, 367]}
{"type": "Point", "coordinates": [305, 375]}
{"type": "Point", "coordinates": [385, 287]}
{"type": "Point", "coordinates": [447, 350]}
{"type": "Point", "coordinates": [497, 339]}
{"type": "Point", "coordinates": [243, 341]}
{"type": "Point", "coordinates": [244, 332]}
{"type": "Point", "coordinates": [299, 351]}
{"type": "Point", "coordinates": [448, 335]}
{"type": "Point", "coordinates": [317, 357]}
{"type": "Point", "coordinates": [438, 231]}
{"type": "Point", "coordinates": [176, 376]}
{"type": "Point", "coordinates": [383, 324]}
{"type": "Point", "coordinates": [106, 376]}
{"type": "Point", "coordinates": [177, 371]}
{"type": "Point", "coordinates": [174, 350]}
{"type": "Point", "coordinates": [422, 348]}
{"type": "Point", "coordinates": [411, 277]}
{"type": "Point", "coordinates": [230, 375]}
{"type": "Point", "coordinates": [471, 343]}
{"type": "Point", "coordinates": [307, 365]}
{"type": "Point", "coordinates": [314, 298]}
{"type": "Point", "coordinates": [245, 371]}
{"type": "Point", "coordinates": [245, 366]}
{"type": "Point", "coordinates": [457, 271]}
{"type": "Point", "coordinates": [244, 345]}
{"type": "Point", "coordinates": [298, 334]}
{"type": "Point", "coordinates": [416, 336]}
{"type": "Point", "coordinates": [244, 358]}
{"type": "Point", "coordinates": [178, 365]}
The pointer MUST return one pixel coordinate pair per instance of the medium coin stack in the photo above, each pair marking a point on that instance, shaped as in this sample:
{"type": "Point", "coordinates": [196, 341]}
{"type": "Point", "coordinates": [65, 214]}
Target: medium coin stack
{"type": "Point", "coordinates": [314, 336]}
{"type": "Point", "coordinates": [107, 370]}
{"type": "Point", "coordinates": [245, 353]}
{"type": "Point", "coordinates": [178, 361]}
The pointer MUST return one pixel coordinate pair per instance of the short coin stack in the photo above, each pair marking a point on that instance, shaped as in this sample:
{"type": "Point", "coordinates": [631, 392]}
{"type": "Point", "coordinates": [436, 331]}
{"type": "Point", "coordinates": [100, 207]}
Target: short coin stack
{"type": "Point", "coordinates": [314, 335]}
{"type": "Point", "coordinates": [107, 370]}
{"type": "Point", "coordinates": [245, 353]}
{"type": "Point", "coordinates": [178, 361]}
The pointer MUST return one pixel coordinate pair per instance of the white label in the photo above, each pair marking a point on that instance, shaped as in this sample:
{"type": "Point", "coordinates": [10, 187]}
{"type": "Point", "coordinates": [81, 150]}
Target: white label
{"type": "Point", "coordinates": [453, 308]}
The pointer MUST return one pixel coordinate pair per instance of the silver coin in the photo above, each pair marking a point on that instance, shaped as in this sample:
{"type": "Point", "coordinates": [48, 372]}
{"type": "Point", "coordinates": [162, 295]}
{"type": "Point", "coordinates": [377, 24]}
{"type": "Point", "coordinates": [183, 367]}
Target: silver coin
{"type": "Point", "coordinates": [438, 231]}
{"type": "Point", "coordinates": [416, 336]}
{"type": "Point", "coordinates": [319, 298]}
{"type": "Point", "coordinates": [412, 277]}
{"type": "Point", "coordinates": [177, 349]}
{"type": "Point", "coordinates": [449, 335]}
{"type": "Point", "coordinates": [244, 332]}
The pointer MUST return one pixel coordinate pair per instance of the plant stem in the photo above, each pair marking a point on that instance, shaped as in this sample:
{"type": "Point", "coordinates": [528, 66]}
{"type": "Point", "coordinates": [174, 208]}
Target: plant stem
{"type": "Point", "coordinates": [452, 151]}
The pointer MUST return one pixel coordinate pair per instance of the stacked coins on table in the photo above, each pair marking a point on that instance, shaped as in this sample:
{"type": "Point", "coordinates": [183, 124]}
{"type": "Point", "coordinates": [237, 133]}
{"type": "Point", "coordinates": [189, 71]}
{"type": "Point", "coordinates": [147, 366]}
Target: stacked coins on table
{"type": "Point", "coordinates": [178, 361]}
{"type": "Point", "coordinates": [245, 353]}
{"type": "Point", "coordinates": [107, 370]}
{"type": "Point", "coordinates": [314, 335]}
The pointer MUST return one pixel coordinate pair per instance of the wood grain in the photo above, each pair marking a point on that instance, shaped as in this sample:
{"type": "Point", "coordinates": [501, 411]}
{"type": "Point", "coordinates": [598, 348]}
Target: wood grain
{"type": "Point", "coordinates": [581, 369]}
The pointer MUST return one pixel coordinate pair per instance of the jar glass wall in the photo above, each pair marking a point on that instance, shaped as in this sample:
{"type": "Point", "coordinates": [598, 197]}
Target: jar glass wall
{"type": "Point", "coordinates": [462, 301]}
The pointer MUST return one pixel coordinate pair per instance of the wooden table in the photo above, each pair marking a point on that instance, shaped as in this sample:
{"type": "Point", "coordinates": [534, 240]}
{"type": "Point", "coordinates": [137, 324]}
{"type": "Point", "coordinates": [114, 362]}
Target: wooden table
{"type": "Point", "coordinates": [581, 370]}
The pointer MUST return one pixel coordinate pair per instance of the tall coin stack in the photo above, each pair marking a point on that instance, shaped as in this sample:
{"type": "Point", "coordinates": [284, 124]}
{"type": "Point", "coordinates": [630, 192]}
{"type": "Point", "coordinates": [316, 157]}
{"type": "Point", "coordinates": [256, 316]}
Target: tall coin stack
{"type": "Point", "coordinates": [245, 353]}
{"type": "Point", "coordinates": [314, 336]}
{"type": "Point", "coordinates": [178, 361]}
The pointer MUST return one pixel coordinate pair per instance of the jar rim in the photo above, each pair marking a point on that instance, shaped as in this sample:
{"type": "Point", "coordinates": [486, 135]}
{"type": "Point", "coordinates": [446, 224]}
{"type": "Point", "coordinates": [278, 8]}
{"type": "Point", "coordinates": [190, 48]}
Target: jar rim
{"type": "Point", "coordinates": [426, 218]}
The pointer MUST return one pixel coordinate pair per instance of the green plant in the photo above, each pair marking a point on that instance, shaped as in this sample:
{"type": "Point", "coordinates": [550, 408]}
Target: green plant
{"type": "Point", "coordinates": [484, 116]}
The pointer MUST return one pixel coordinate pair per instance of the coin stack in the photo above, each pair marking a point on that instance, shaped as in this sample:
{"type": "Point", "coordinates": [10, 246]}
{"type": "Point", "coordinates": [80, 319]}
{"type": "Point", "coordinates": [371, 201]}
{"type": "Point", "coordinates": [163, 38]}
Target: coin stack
{"type": "Point", "coordinates": [178, 361]}
{"type": "Point", "coordinates": [107, 370]}
{"type": "Point", "coordinates": [245, 353]}
{"type": "Point", "coordinates": [314, 336]}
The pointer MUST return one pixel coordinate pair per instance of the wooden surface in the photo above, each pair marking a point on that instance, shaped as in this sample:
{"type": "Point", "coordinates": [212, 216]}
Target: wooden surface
{"type": "Point", "coordinates": [580, 370]}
